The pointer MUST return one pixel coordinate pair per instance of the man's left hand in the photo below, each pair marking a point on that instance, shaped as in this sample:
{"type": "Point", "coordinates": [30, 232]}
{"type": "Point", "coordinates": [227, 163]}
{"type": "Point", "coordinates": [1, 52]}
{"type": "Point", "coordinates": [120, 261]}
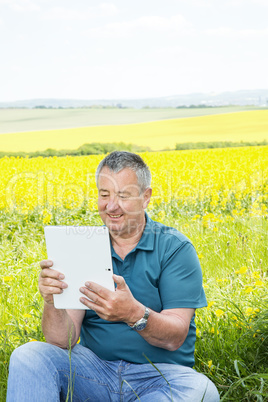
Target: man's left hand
{"type": "Point", "coordinates": [112, 306]}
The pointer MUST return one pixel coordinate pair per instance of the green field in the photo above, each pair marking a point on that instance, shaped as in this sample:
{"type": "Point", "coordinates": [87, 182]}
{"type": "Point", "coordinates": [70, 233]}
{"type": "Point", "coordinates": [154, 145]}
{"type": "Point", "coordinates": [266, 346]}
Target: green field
{"type": "Point", "coordinates": [19, 120]}
{"type": "Point", "coordinates": [248, 126]}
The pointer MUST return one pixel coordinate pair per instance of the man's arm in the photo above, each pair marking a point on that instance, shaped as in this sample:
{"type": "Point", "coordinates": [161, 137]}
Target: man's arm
{"type": "Point", "coordinates": [60, 327]}
{"type": "Point", "coordinates": [167, 329]}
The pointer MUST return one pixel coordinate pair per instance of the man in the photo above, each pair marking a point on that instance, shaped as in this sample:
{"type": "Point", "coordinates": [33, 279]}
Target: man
{"type": "Point", "coordinates": [149, 317]}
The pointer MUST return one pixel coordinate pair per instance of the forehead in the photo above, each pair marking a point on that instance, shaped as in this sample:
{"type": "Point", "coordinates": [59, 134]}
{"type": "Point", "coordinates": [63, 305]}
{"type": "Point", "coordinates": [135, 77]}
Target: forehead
{"type": "Point", "coordinates": [125, 179]}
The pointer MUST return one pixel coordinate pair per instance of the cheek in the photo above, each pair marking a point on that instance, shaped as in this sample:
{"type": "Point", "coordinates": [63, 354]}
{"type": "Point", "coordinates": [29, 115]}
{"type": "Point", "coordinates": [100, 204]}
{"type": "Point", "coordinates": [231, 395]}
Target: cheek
{"type": "Point", "coordinates": [101, 206]}
{"type": "Point", "coordinates": [132, 208]}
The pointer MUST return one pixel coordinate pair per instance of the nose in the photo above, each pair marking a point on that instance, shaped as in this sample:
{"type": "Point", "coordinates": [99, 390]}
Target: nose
{"type": "Point", "coordinates": [112, 204]}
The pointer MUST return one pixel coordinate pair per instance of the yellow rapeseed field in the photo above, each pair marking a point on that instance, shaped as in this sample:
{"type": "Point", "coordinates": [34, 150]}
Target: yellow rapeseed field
{"type": "Point", "coordinates": [233, 179]}
{"type": "Point", "coordinates": [158, 135]}
{"type": "Point", "coordinates": [216, 197]}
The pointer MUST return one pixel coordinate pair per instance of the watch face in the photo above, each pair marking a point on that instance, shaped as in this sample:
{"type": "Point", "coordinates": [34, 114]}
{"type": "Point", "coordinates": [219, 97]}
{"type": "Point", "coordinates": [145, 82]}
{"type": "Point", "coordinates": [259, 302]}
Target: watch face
{"type": "Point", "coordinates": [141, 325]}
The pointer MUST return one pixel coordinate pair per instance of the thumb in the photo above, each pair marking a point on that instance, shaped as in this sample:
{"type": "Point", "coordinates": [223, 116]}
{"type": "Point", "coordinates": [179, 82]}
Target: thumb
{"type": "Point", "coordinates": [120, 281]}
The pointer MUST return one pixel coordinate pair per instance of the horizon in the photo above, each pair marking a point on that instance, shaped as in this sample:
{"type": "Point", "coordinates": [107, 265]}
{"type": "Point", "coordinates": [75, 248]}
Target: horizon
{"type": "Point", "coordinates": [138, 98]}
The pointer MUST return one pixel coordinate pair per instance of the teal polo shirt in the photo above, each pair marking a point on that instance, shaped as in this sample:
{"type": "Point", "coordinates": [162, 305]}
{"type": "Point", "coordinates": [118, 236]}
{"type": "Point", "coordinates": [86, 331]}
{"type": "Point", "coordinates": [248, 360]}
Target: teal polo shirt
{"type": "Point", "coordinates": [162, 272]}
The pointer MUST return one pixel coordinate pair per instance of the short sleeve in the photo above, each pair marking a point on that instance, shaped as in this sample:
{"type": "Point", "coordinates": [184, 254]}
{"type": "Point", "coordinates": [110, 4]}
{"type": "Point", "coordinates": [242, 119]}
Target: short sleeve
{"type": "Point", "coordinates": [180, 283]}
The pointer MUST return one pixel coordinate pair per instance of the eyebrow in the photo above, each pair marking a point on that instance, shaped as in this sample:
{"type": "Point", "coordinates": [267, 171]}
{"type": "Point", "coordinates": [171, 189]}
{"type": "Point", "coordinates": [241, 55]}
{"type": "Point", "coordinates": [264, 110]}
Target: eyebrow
{"type": "Point", "coordinates": [124, 192]}
{"type": "Point", "coordinates": [119, 192]}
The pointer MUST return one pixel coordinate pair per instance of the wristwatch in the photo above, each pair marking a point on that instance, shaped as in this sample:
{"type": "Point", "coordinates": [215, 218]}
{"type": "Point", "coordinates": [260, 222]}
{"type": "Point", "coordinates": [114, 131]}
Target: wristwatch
{"type": "Point", "coordinates": [141, 324]}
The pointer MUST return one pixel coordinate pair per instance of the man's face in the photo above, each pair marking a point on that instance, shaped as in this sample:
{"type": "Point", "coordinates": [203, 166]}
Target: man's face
{"type": "Point", "coordinates": [121, 203]}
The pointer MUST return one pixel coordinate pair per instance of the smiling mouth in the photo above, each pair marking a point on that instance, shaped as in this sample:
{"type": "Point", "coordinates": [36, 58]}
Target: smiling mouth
{"type": "Point", "coordinates": [115, 216]}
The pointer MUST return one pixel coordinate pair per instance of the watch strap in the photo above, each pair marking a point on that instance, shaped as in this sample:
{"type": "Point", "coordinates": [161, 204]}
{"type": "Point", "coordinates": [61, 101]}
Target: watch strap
{"type": "Point", "coordinates": [142, 322]}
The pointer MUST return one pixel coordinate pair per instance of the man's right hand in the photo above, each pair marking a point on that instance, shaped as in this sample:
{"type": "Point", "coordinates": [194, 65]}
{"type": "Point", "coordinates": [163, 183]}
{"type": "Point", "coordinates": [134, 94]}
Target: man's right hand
{"type": "Point", "coordinates": [50, 281]}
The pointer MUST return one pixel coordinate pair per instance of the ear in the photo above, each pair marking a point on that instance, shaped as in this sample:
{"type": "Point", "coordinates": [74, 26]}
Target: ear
{"type": "Point", "coordinates": [147, 197]}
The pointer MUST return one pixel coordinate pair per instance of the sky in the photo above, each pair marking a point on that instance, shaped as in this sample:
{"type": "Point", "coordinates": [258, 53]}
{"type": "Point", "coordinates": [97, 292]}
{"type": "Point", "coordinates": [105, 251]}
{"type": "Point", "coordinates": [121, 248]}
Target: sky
{"type": "Point", "coordinates": [122, 49]}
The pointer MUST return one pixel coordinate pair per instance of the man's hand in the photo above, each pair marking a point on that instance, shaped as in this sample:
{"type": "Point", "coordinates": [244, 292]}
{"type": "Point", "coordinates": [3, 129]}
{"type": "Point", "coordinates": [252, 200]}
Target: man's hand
{"type": "Point", "coordinates": [112, 306]}
{"type": "Point", "coordinates": [50, 281]}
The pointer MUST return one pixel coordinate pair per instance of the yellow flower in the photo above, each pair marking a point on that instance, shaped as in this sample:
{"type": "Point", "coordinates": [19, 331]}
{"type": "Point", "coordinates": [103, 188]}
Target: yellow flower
{"type": "Point", "coordinates": [27, 315]}
{"type": "Point", "coordinates": [221, 280]}
{"type": "Point", "coordinates": [243, 270]}
{"type": "Point", "coordinates": [7, 279]}
{"type": "Point", "coordinates": [255, 275]}
{"type": "Point", "coordinates": [249, 289]}
{"type": "Point", "coordinates": [161, 215]}
{"type": "Point", "coordinates": [249, 310]}
{"type": "Point", "coordinates": [198, 332]}
{"type": "Point", "coordinates": [210, 304]}
{"type": "Point", "coordinates": [209, 364]}
{"type": "Point", "coordinates": [213, 331]}
{"type": "Point", "coordinates": [219, 312]}
{"type": "Point", "coordinates": [259, 283]}
{"type": "Point", "coordinates": [46, 216]}
{"type": "Point", "coordinates": [205, 286]}
{"type": "Point", "coordinates": [200, 256]}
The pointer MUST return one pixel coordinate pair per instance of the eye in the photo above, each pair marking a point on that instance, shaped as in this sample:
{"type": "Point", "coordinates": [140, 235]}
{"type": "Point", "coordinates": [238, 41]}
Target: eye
{"type": "Point", "coordinates": [123, 196]}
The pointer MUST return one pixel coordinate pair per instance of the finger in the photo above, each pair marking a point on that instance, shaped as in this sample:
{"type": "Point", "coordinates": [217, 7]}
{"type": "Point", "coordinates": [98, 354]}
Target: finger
{"type": "Point", "coordinates": [95, 307]}
{"type": "Point", "coordinates": [49, 282]}
{"type": "Point", "coordinates": [46, 264]}
{"type": "Point", "coordinates": [89, 303]}
{"type": "Point", "coordinates": [51, 273]}
{"type": "Point", "coordinates": [50, 290]}
{"type": "Point", "coordinates": [120, 281]}
{"type": "Point", "coordinates": [94, 297]}
{"type": "Point", "coordinates": [97, 289]}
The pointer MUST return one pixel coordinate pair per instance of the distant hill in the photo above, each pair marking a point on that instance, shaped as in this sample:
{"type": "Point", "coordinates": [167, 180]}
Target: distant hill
{"type": "Point", "coordinates": [258, 97]}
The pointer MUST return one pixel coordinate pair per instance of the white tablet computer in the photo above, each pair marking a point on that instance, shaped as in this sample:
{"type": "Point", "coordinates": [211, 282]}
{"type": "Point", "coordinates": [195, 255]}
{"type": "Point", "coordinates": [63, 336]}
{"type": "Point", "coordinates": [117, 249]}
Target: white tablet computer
{"type": "Point", "coordinates": [81, 253]}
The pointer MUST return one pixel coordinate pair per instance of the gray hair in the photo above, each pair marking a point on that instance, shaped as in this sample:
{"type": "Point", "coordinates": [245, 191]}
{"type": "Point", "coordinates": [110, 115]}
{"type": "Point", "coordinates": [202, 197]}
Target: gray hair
{"type": "Point", "coordinates": [119, 160]}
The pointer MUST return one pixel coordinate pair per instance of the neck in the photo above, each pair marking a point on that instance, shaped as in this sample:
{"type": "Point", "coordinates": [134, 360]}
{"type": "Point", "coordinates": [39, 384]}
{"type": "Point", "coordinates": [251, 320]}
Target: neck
{"type": "Point", "coordinates": [129, 241]}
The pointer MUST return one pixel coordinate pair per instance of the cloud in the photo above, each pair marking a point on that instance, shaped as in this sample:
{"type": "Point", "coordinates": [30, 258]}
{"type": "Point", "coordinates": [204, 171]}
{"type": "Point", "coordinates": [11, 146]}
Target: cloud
{"type": "Point", "coordinates": [253, 33]}
{"type": "Point", "coordinates": [21, 5]}
{"type": "Point", "coordinates": [64, 13]}
{"type": "Point", "coordinates": [241, 3]}
{"type": "Point", "coordinates": [227, 32]}
{"type": "Point", "coordinates": [108, 9]}
{"type": "Point", "coordinates": [173, 25]}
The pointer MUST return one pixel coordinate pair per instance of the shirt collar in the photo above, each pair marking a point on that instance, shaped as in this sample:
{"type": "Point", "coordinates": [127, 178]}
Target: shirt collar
{"type": "Point", "coordinates": [147, 239]}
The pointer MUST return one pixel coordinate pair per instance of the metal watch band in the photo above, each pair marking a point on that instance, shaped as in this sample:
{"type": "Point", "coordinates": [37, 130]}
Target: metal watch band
{"type": "Point", "coordinates": [141, 324]}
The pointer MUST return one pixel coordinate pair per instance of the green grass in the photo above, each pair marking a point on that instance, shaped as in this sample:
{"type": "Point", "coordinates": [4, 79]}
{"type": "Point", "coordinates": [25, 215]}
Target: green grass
{"type": "Point", "coordinates": [21, 120]}
{"type": "Point", "coordinates": [232, 335]}
{"type": "Point", "coordinates": [95, 148]}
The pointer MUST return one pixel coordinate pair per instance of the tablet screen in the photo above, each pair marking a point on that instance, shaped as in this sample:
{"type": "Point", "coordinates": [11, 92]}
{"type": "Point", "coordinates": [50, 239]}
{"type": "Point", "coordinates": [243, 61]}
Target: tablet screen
{"type": "Point", "coordinates": [81, 253]}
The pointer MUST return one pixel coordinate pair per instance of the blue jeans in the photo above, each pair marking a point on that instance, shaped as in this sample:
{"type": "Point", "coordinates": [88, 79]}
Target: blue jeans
{"type": "Point", "coordinates": [40, 372]}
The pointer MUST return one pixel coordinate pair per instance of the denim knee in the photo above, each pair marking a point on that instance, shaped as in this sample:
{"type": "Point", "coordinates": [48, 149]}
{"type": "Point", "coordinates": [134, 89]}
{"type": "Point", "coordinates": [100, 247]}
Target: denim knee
{"type": "Point", "coordinates": [211, 393]}
{"type": "Point", "coordinates": [29, 355]}
{"type": "Point", "coordinates": [22, 354]}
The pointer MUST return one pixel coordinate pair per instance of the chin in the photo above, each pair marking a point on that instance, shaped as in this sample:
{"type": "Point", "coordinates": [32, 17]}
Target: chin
{"type": "Point", "coordinates": [113, 227]}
